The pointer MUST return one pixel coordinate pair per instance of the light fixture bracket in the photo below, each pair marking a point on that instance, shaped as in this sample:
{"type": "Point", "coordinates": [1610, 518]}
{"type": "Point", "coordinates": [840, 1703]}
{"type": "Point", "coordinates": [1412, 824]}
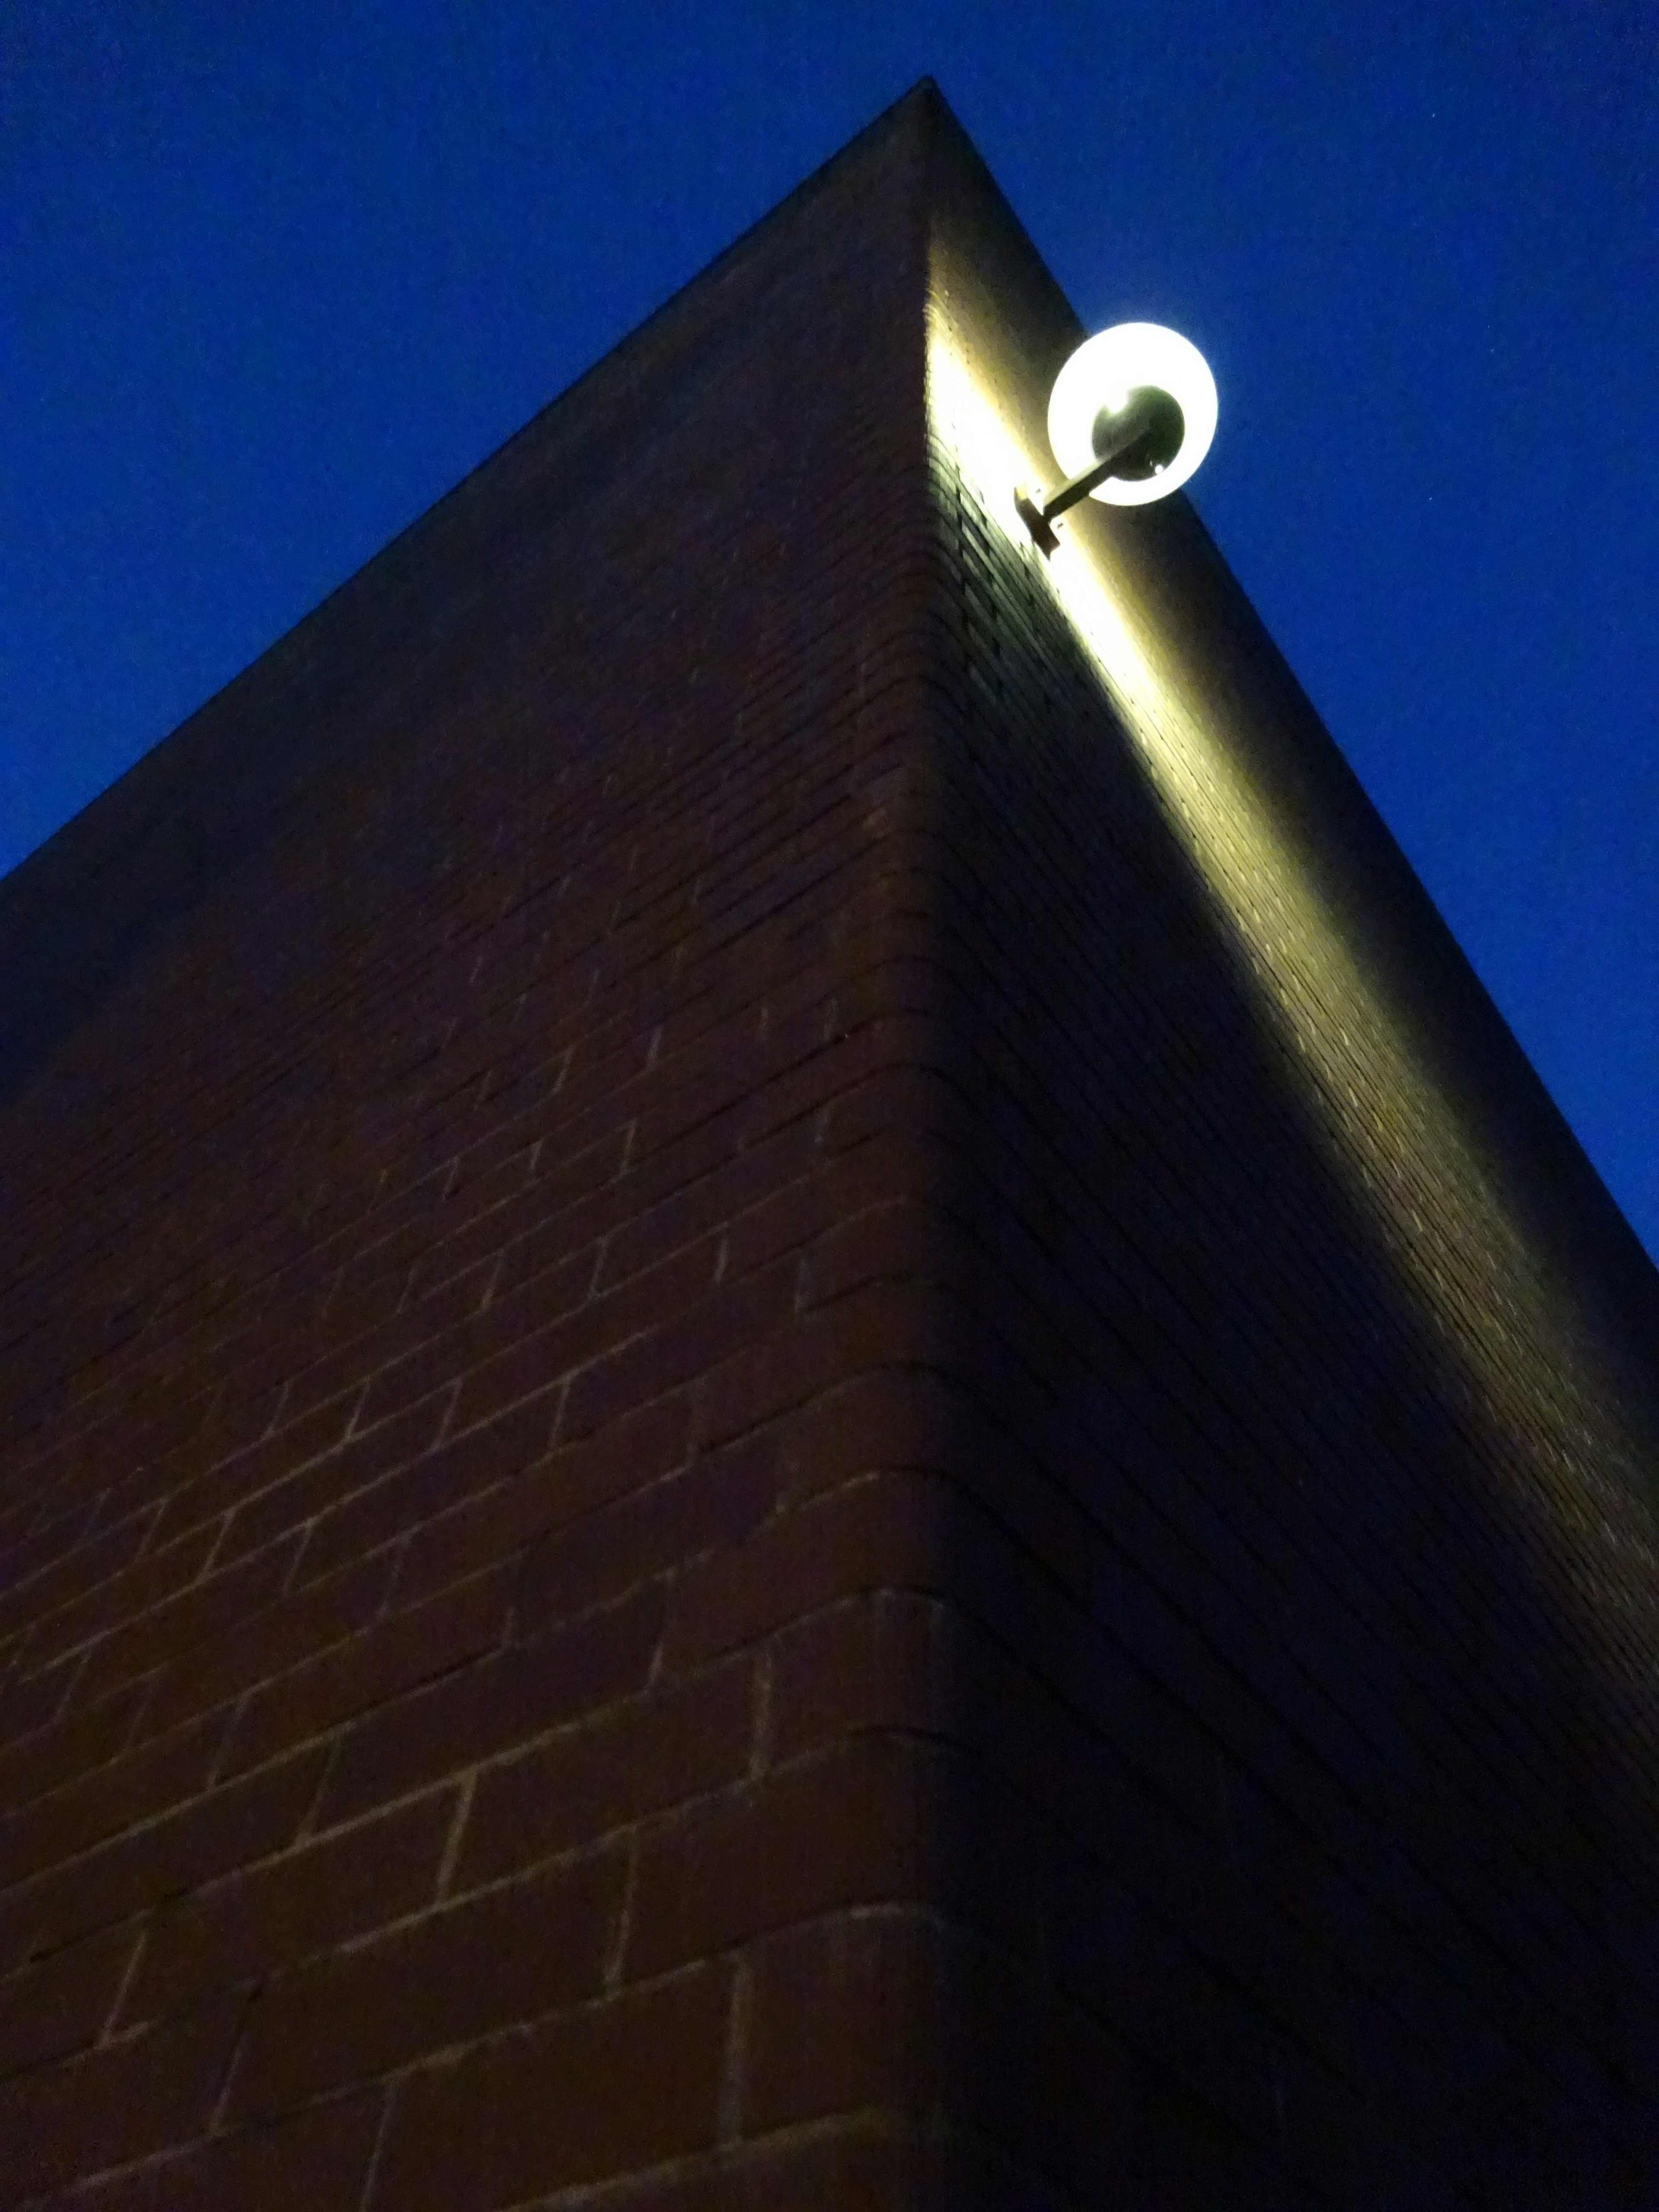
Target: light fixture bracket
{"type": "Point", "coordinates": [1131, 428]}
{"type": "Point", "coordinates": [1131, 415]}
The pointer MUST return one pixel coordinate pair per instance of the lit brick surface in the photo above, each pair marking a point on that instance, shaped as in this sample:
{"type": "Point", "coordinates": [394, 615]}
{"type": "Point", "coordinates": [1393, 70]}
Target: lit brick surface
{"type": "Point", "coordinates": [753, 1455]}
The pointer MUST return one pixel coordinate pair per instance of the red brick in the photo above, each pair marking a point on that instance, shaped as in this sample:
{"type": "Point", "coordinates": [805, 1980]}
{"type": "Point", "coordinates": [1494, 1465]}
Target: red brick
{"type": "Point", "coordinates": [364, 1293]}
{"type": "Point", "coordinates": [789, 1219]}
{"type": "Point", "coordinates": [484, 1181]}
{"type": "Point", "coordinates": [318, 1893]}
{"type": "Point", "coordinates": [884, 1324]}
{"type": "Point", "coordinates": [565, 1177]}
{"type": "Point", "coordinates": [378, 1664]}
{"type": "Point", "coordinates": [360, 1460]}
{"type": "Point", "coordinates": [618, 2085]}
{"type": "Point", "coordinates": [726, 1066]}
{"type": "Point", "coordinates": [584, 1334]}
{"type": "Point", "coordinates": [507, 1699]}
{"type": "Point", "coordinates": [889, 2009]}
{"type": "Point", "coordinates": [675, 1175]}
{"type": "Point", "coordinates": [710, 1505]}
{"type": "Point", "coordinates": [413, 1341]}
{"type": "Point", "coordinates": [577, 1480]}
{"type": "Point", "coordinates": [848, 2012]}
{"type": "Point", "coordinates": [284, 1338]}
{"type": "Point", "coordinates": [507, 1955]}
{"type": "Point", "coordinates": [125, 2102]}
{"type": "Point", "coordinates": [903, 1241]}
{"type": "Point", "coordinates": [896, 1531]}
{"type": "Point", "coordinates": [206, 1609]}
{"type": "Point", "coordinates": [45, 1521]}
{"type": "Point", "coordinates": [637, 1760]}
{"type": "Point", "coordinates": [896, 1041]}
{"type": "Point", "coordinates": [74, 1575]}
{"type": "Point", "coordinates": [147, 1490]}
{"type": "Point", "coordinates": [543, 1230]}
{"type": "Point", "coordinates": [61, 2004]}
{"type": "Point", "coordinates": [666, 1358]}
{"type": "Point", "coordinates": [886, 1659]}
{"type": "Point", "coordinates": [413, 1198]}
{"type": "Point", "coordinates": [132, 1787]}
{"type": "Point", "coordinates": [190, 1844]}
{"type": "Point", "coordinates": [519, 1089]}
{"type": "Point", "coordinates": [233, 1421]}
{"type": "Point", "coordinates": [405, 1501]}
{"type": "Point", "coordinates": [69, 1747]}
{"type": "Point", "coordinates": [469, 1344]}
{"type": "Point", "coordinates": [224, 1481]}
{"type": "Point", "coordinates": [868, 1823]}
{"type": "Point", "coordinates": [684, 1212]}
{"type": "Point", "coordinates": [318, 2160]}
{"type": "Point", "coordinates": [888, 1419]}
{"type": "Point", "coordinates": [794, 1018]}
{"type": "Point", "coordinates": [31, 1701]}
{"type": "Point", "coordinates": [149, 1581]}
{"type": "Point", "coordinates": [919, 1101]}
{"type": "Point", "coordinates": [859, 2162]}
{"type": "Point", "coordinates": [279, 1636]}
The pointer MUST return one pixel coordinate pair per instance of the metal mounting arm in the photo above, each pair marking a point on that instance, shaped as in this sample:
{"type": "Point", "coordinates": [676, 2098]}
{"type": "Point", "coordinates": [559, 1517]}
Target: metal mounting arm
{"type": "Point", "coordinates": [1138, 419]}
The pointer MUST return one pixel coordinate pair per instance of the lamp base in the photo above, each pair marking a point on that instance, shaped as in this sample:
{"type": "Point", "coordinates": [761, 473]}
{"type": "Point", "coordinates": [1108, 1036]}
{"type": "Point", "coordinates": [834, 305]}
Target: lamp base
{"type": "Point", "coordinates": [1029, 505]}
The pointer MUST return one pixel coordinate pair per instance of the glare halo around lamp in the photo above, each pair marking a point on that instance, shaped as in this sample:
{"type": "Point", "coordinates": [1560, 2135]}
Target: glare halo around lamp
{"type": "Point", "coordinates": [1131, 415]}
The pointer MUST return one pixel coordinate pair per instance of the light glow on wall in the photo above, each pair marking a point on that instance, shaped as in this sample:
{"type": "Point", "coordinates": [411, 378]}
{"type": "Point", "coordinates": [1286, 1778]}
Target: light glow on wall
{"type": "Point", "coordinates": [1399, 1143]}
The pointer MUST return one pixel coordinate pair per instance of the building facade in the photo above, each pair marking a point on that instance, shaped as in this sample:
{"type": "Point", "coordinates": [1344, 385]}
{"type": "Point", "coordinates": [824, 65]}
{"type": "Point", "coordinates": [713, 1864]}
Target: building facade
{"type": "Point", "coordinates": [800, 1408]}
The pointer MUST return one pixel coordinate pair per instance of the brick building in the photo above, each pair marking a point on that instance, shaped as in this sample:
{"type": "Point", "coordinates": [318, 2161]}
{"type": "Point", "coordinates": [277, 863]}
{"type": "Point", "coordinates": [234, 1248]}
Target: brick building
{"type": "Point", "coordinates": [800, 1408]}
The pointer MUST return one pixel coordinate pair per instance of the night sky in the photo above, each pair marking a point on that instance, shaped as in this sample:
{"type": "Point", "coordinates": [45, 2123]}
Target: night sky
{"type": "Point", "coordinates": [273, 276]}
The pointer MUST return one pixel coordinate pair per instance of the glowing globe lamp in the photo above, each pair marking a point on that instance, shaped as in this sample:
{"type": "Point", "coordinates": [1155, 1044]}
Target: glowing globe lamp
{"type": "Point", "coordinates": [1130, 416]}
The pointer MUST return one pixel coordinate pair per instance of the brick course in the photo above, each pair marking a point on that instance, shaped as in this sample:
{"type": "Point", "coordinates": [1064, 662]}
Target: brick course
{"type": "Point", "coordinates": [774, 1431]}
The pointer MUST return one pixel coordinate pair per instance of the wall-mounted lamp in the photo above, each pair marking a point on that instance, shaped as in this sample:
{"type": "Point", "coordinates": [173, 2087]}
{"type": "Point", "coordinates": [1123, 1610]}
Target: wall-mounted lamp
{"type": "Point", "coordinates": [1130, 416]}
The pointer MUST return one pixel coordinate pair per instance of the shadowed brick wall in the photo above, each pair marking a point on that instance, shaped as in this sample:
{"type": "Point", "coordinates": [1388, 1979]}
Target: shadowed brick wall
{"type": "Point", "coordinates": [1297, 1616]}
{"type": "Point", "coordinates": [799, 1408]}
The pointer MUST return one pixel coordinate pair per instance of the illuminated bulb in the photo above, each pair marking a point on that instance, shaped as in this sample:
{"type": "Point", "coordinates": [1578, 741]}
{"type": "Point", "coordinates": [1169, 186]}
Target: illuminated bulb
{"type": "Point", "coordinates": [1134, 361]}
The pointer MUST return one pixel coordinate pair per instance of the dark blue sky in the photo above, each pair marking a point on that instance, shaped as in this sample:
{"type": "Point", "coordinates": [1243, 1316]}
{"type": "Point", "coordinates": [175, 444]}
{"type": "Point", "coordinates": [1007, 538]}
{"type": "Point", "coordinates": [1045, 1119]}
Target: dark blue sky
{"type": "Point", "coordinates": [273, 276]}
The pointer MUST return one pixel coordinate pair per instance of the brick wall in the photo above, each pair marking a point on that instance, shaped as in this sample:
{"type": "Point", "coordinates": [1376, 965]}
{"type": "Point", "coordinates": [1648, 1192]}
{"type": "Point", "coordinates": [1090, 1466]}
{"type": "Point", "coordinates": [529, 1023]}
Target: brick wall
{"type": "Point", "coordinates": [1301, 1628]}
{"type": "Point", "coordinates": [418, 1244]}
{"type": "Point", "coordinates": [732, 1475]}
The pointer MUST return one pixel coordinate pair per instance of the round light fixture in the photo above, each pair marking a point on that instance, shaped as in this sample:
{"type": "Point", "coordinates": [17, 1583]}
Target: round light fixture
{"type": "Point", "coordinates": [1095, 389]}
{"type": "Point", "coordinates": [1131, 415]}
